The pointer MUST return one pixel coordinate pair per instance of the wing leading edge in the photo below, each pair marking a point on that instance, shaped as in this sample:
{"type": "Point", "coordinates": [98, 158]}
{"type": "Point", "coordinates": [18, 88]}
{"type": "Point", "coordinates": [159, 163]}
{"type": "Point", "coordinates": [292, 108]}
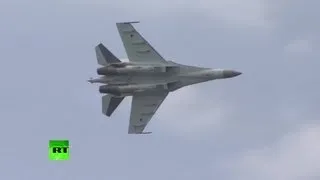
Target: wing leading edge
{"type": "Point", "coordinates": [137, 48]}
{"type": "Point", "coordinates": [143, 107]}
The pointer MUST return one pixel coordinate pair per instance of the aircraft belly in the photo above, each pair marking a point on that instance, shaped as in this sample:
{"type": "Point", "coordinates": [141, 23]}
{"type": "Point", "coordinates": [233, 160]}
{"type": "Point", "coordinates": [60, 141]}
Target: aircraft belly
{"type": "Point", "coordinates": [118, 79]}
{"type": "Point", "coordinates": [136, 79]}
{"type": "Point", "coordinates": [147, 79]}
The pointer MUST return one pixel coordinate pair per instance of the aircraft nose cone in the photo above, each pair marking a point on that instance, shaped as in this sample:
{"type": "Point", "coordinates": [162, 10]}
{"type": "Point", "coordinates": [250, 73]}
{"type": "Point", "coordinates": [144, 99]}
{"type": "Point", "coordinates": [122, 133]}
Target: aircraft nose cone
{"type": "Point", "coordinates": [230, 73]}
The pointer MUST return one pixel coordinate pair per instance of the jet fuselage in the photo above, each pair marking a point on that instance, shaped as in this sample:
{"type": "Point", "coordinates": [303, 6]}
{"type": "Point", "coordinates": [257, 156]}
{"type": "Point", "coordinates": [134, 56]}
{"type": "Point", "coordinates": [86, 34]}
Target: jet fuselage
{"type": "Point", "coordinates": [125, 79]}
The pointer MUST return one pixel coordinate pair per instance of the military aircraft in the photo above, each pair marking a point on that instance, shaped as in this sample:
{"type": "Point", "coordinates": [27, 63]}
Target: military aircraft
{"type": "Point", "coordinates": [147, 77]}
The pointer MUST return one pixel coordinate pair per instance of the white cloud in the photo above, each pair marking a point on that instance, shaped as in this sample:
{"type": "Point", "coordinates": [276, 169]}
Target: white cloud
{"type": "Point", "coordinates": [187, 113]}
{"type": "Point", "coordinates": [236, 12]}
{"type": "Point", "coordinates": [295, 156]}
{"type": "Point", "coordinates": [299, 46]}
{"type": "Point", "coordinates": [240, 12]}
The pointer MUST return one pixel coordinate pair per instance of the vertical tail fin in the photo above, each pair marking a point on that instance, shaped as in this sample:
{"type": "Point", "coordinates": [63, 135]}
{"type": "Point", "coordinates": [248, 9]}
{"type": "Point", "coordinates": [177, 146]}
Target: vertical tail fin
{"type": "Point", "coordinates": [104, 56]}
{"type": "Point", "coordinates": [110, 103]}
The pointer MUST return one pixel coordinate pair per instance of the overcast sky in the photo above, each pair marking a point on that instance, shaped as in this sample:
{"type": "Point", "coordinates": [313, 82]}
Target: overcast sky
{"type": "Point", "coordinates": [264, 124]}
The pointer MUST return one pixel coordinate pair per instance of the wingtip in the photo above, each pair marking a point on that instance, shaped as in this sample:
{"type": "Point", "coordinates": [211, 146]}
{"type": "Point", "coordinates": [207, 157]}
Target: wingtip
{"type": "Point", "coordinates": [147, 133]}
{"type": "Point", "coordinates": [128, 22]}
{"type": "Point", "coordinates": [134, 132]}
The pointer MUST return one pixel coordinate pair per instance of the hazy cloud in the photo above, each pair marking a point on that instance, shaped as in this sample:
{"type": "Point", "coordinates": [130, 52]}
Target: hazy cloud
{"type": "Point", "coordinates": [299, 46]}
{"type": "Point", "coordinates": [184, 116]}
{"type": "Point", "coordinates": [294, 156]}
{"type": "Point", "coordinates": [235, 12]}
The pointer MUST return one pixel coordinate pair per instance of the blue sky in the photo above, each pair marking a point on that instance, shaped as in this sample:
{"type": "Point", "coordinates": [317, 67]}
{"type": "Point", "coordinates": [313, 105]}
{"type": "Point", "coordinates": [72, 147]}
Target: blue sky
{"type": "Point", "coordinates": [263, 124]}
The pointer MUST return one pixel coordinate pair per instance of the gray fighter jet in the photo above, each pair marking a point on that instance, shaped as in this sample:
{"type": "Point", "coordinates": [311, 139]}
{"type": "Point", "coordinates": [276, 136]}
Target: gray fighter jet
{"type": "Point", "coordinates": [147, 77]}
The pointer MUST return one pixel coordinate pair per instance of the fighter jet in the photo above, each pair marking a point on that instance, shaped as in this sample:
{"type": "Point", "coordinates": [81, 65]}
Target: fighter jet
{"type": "Point", "coordinates": [147, 77]}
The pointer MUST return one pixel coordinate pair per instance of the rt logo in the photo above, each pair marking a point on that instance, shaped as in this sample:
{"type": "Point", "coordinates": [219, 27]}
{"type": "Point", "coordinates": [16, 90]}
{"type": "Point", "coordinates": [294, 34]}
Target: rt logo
{"type": "Point", "coordinates": [59, 150]}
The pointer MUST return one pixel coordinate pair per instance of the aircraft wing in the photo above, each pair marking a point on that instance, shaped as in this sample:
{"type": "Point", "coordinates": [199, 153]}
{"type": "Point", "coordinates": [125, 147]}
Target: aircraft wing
{"type": "Point", "coordinates": [137, 48]}
{"type": "Point", "coordinates": [143, 107]}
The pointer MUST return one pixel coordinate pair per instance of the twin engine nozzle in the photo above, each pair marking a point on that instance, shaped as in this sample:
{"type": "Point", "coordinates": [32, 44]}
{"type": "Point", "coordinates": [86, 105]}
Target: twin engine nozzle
{"type": "Point", "coordinates": [108, 89]}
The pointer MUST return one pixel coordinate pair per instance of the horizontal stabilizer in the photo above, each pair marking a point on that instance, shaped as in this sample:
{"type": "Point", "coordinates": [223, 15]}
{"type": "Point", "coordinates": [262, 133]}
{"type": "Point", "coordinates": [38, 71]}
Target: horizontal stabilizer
{"type": "Point", "coordinates": [104, 56]}
{"type": "Point", "coordinates": [110, 103]}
